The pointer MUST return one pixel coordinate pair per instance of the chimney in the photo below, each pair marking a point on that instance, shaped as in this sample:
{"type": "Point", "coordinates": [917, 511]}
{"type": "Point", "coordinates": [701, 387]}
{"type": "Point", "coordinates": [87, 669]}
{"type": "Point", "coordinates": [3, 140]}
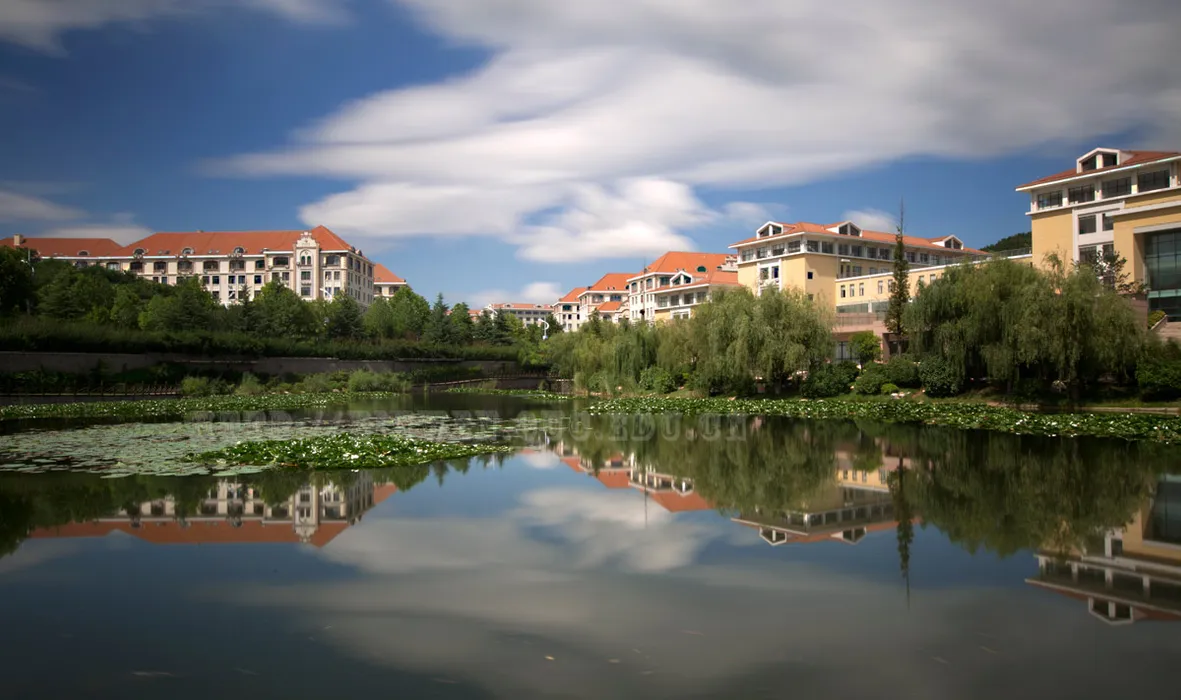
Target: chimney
{"type": "Point", "coordinates": [17, 240]}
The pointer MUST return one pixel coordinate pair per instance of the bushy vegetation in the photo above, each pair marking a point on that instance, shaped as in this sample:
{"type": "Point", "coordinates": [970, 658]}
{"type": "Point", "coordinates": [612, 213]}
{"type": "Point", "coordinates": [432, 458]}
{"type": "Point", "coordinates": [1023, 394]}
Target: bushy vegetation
{"type": "Point", "coordinates": [829, 380]}
{"type": "Point", "coordinates": [729, 344]}
{"type": "Point", "coordinates": [1159, 374]}
{"type": "Point", "coordinates": [63, 308]}
{"type": "Point", "coordinates": [344, 451]}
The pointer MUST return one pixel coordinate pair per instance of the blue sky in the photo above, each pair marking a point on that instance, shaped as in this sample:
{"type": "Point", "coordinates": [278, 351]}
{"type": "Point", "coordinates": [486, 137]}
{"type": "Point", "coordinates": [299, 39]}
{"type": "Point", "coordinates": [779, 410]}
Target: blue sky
{"type": "Point", "coordinates": [512, 149]}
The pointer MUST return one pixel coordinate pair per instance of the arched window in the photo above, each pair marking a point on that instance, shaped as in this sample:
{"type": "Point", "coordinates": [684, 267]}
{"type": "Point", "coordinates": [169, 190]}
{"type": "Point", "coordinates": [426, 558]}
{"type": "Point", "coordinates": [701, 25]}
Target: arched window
{"type": "Point", "coordinates": [83, 253]}
{"type": "Point", "coordinates": [239, 250]}
{"type": "Point", "coordinates": [701, 268]}
{"type": "Point", "coordinates": [187, 251]}
{"type": "Point", "coordinates": [139, 251]}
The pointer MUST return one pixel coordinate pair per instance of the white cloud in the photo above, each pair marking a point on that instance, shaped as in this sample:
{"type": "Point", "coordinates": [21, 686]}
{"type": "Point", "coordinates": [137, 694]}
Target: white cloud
{"type": "Point", "coordinates": [532, 293]}
{"type": "Point", "coordinates": [872, 219]}
{"type": "Point", "coordinates": [121, 228]}
{"type": "Point", "coordinates": [543, 145]}
{"type": "Point", "coordinates": [540, 460]}
{"type": "Point", "coordinates": [18, 207]}
{"type": "Point", "coordinates": [40, 24]}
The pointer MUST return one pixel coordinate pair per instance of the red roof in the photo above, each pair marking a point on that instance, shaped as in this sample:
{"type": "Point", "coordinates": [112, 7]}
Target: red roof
{"type": "Point", "coordinates": [198, 532]}
{"type": "Point", "coordinates": [514, 306]}
{"type": "Point", "coordinates": [382, 275]}
{"type": "Point", "coordinates": [610, 306]}
{"type": "Point", "coordinates": [611, 282]}
{"type": "Point", "coordinates": [572, 295]}
{"type": "Point", "coordinates": [674, 261]}
{"type": "Point", "coordinates": [875, 236]}
{"type": "Point", "coordinates": [63, 247]}
{"type": "Point", "coordinates": [674, 502]}
{"type": "Point", "coordinates": [613, 478]}
{"type": "Point", "coordinates": [224, 242]}
{"type": "Point", "coordinates": [1137, 158]}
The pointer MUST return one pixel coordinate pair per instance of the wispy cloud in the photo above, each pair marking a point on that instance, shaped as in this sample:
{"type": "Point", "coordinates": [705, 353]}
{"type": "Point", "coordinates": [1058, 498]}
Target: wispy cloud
{"type": "Point", "coordinates": [20, 208]}
{"type": "Point", "coordinates": [532, 293]}
{"type": "Point", "coordinates": [872, 219]}
{"type": "Point", "coordinates": [543, 145]}
{"type": "Point", "coordinates": [121, 227]}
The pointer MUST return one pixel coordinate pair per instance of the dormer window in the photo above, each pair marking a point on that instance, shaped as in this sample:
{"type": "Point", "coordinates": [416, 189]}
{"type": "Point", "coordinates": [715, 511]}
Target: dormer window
{"type": "Point", "coordinates": [138, 252]}
{"type": "Point", "coordinates": [849, 229]}
{"type": "Point", "coordinates": [953, 243]}
{"type": "Point", "coordinates": [239, 251]}
{"type": "Point", "coordinates": [701, 268]}
{"type": "Point", "coordinates": [770, 230]}
{"type": "Point", "coordinates": [83, 253]}
{"type": "Point", "coordinates": [1101, 158]}
{"type": "Point", "coordinates": [187, 251]}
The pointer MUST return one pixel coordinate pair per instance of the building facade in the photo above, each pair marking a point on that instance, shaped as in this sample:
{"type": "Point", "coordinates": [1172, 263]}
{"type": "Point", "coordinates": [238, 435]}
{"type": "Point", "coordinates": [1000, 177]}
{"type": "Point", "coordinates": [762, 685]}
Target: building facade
{"type": "Point", "coordinates": [385, 283]}
{"type": "Point", "coordinates": [580, 303]}
{"type": "Point", "coordinates": [676, 282]}
{"type": "Point", "coordinates": [568, 310]}
{"type": "Point", "coordinates": [528, 314]}
{"type": "Point", "coordinates": [315, 264]}
{"type": "Point", "coordinates": [1113, 201]}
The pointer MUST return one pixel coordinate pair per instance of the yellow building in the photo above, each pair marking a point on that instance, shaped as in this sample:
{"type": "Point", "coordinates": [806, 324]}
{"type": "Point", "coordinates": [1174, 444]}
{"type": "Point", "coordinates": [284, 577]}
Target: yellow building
{"type": "Point", "coordinates": [1111, 200]}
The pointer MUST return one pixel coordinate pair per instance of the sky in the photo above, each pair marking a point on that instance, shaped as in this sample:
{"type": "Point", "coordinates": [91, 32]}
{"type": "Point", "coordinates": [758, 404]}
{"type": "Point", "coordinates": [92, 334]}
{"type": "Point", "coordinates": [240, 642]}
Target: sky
{"type": "Point", "coordinates": [508, 150]}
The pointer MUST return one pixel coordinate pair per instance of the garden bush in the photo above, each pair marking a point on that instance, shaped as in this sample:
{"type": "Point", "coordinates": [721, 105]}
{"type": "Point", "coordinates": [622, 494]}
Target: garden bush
{"type": "Point", "coordinates": [902, 370]}
{"type": "Point", "coordinates": [1155, 317]}
{"type": "Point", "coordinates": [657, 379]}
{"type": "Point", "coordinates": [1159, 379]}
{"type": "Point", "coordinates": [203, 386]}
{"type": "Point", "coordinates": [249, 386]}
{"type": "Point", "coordinates": [888, 389]}
{"type": "Point", "coordinates": [939, 379]}
{"type": "Point", "coordinates": [829, 380]}
{"type": "Point", "coordinates": [871, 380]}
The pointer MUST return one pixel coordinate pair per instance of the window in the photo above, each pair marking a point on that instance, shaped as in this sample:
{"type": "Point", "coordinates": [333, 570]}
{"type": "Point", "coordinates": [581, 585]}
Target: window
{"type": "Point", "coordinates": [883, 253]}
{"type": "Point", "coordinates": [205, 279]}
{"type": "Point", "coordinates": [156, 279]}
{"type": "Point", "coordinates": [305, 291]}
{"type": "Point", "coordinates": [159, 266]}
{"type": "Point", "coordinates": [813, 246]}
{"type": "Point", "coordinates": [881, 283]}
{"type": "Point", "coordinates": [861, 289]}
{"type": "Point", "coordinates": [259, 265]}
{"type": "Point", "coordinates": [1156, 180]}
{"type": "Point", "coordinates": [826, 247]}
{"type": "Point", "coordinates": [274, 276]}
{"type": "Point", "coordinates": [910, 256]}
{"type": "Point", "coordinates": [139, 251]}
{"type": "Point", "coordinates": [842, 291]}
{"type": "Point", "coordinates": [1083, 193]}
{"type": "Point", "coordinates": [842, 249]}
{"type": "Point", "coordinates": [163, 280]}
{"type": "Point", "coordinates": [1088, 254]}
{"type": "Point", "coordinates": [793, 247]}
{"type": "Point", "coordinates": [305, 276]}
{"type": "Point", "coordinates": [776, 250]}
{"type": "Point", "coordinates": [747, 254]}
{"type": "Point", "coordinates": [258, 279]}
{"type": "Point", "coordinates": [137, 266]}
{"type": "Point", "coordinates": [1108, 223]}
{"type": "Point", "coordinates": [761, 252]}
{"type": "Point", "coordinates": [187, 251]}
{"type": "Point", "coordinates": [286, 276]}
{"type": "Point", "coordinates": [336, 275]}
{"type": "Point", "coordinates": [856, 270]}
{"type": "Point", "coordinates": [1046, 200]}
{"type": "Point", "coordinates": [239, 250]}
{"type": "Point", "coordinates": [1086, 224]}
{"type": "Point", "coordinates": [775, 272]}
{"type": "Point", "coordinates": [1117, 187]}
{"type": "Point", "coordinates": [281, 261]}
{"type": "Point", "coordinates": [216, 279]}
{"type": "Point", "coordinates": [810, 273]}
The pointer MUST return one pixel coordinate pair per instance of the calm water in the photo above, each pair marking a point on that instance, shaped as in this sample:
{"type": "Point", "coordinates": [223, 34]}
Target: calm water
{"type": "Point", "coordinates": [607, 558]}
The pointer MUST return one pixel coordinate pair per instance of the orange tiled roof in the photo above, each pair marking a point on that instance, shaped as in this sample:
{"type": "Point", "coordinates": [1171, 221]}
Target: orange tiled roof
{"type": "Point", "coordinates": [1138, 158]}
{"type": "Point", "coordinates": [875, 236]}
{"type": "Point", "coordinates": [613, 478]}
{"type": "Point", "coordinates": [611, 282]}
{"type": "Point", "coordinates": [674, 502]}
{"type": "Point", "coordinates": [225, 241]}
{"type": "Point", "coordinates": [610, 306]}
{"type": "Point", "coordinates": [382, 275]}
{"type": "Point", "coordinates": [677, 260]}
{"type": "Point", "coordinates": [572, 295]}
{"type": "Point", "coordinates": [58, 247]}
{"type": "Point", "coordinates": [520, 306]}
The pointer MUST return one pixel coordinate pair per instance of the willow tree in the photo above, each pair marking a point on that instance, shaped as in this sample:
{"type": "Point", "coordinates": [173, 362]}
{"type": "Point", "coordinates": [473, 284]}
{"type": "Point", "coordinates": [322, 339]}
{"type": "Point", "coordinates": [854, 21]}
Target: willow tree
{"type": "Point", "coordinates": [792, 334]}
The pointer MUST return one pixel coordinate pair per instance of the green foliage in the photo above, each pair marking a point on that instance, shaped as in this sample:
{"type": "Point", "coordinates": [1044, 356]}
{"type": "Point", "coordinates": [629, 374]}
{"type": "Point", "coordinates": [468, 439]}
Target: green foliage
{"type": "Point", "coordinates": [203, 386]}
{"type": "Point", "coordinates": [188, 307]}
{"type": "Point", "coordinates": [940, 378]}
{"type": "Point", "coordinates": [872, 378]}
{"type": "Point", "coordinates": [866, 346]}
{"type": "Point", "coordinates": [657, 379]}
{"type": "Point", "coordinates": [903, 371]}
{"type": "Point", "coordinates": [1159, 379]}
{"type": "Point", "coordinates": [408, 314]}
{"type": "Point", "coordinates": [173, 408]}
{"type": "Point", "coordinates": [1156, 317]}
{"type": "Point", "coordinates": [1018, 241]}
{"type": "Point", "coordinates": [344, 451]}
{"type": "Point", "coordinates": [365, 381]}
{"type": "Point", "coordinates": [16, 281]}
{"type": "Point", "coordinates": [888, 388]}
{"type": "Point", "coordinates": [829, 380]}
{"type": "Point", "coordinates": [249, 386]}
{"type": "Point", "coordinates": [462, 327]}
{"type": "Point", "coordinates": [438, 328]}
{"type": "Point", "coordinates": [344, 318]}
{"type": "Point", "coordinates": [900, 294]}
{"type": "Point", "coordinates": [280, 313]}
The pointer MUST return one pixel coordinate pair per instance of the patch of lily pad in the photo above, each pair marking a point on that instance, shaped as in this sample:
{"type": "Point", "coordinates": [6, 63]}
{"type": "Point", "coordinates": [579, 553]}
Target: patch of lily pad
{"type": "Point", "coordinates": [965, 416]}
{"type": "Point", "coordinates": [179, 408]}
{"type": "Point", "coordinates": [344, 451]}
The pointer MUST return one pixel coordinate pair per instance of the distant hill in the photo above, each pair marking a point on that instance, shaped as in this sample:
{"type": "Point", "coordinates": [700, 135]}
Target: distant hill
{"type": "Point", "coordinates": [1017, 241]}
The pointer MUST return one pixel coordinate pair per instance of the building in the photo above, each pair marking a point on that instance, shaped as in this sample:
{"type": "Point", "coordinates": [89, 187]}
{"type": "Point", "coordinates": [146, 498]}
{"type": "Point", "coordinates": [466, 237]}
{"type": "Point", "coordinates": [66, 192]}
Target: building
{"type": "Point", "coordinates": [385, 283]}
{"type": "Point", "coordinates": [1115, 201]}
{"type": "Point", "coordinates": [1127, 574]}
{"type": "Point", "coordinates": [676, 282]}
{"type": "Point", "coordinates": [234, 513]}
{"type": "Point", "coordinates": [568, 310]}
{"type": "Point", "coordinates": [315, 264]}
{"type": "Point", "coordinates": [529, 314]}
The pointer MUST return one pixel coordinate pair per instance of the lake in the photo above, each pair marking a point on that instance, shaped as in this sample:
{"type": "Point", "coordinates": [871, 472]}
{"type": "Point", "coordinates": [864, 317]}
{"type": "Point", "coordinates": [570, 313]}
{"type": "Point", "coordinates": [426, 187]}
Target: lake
{"type": "Point", "coordinates": [607, 557]}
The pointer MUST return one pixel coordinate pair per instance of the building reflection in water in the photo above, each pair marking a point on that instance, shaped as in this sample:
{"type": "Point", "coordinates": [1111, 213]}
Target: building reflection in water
{"type": "Point", "coordinates": [234, 512]}
{"type": "Point", "coordinates": [1127, 574]}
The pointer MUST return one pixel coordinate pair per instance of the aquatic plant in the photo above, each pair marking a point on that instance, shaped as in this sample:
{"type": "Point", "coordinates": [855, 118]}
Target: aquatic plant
{"type": "Point", "coordinates": [344, 451]}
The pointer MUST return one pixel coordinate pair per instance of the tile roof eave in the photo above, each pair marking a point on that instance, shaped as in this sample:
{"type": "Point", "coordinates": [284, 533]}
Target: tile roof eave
{"type": "Point", "coordinates": [1071, 175]}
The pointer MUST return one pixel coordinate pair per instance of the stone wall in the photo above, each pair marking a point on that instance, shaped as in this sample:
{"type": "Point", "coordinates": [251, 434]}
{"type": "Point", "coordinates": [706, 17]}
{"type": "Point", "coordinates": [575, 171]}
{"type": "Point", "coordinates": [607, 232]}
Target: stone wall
{"type": "Point", "coordinates": [83, 362]}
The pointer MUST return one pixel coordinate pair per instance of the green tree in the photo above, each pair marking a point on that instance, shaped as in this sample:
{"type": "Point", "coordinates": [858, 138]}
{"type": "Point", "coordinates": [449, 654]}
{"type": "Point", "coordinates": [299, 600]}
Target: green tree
{"type": "Point", "coordinates": [280, 313]}
{"type": "Point", "coordinates": [1018, 241]}
{"type": "Point", "coordinates": [188, 308]}
{"type": "Point", "coordinates": [866, 346]}
{"type": "Point", "coordinates": [900, 285]}
{"type": "Point", "coordinates": [344, 318]}
{"type": "Point", "coordinates": [484, 329]}
{"type": "Point", "coordinates": [16, 281]}
{"type": "Point", "coordinates": [127, 307]}
{"type": "Point", "coordinates": [410, 313]}
{"type": "Point", "coordinates": [379, 319]}
{"type": "Point", "coordinates": [438, 325]}
{"type": "Point", "coordinates": [555, 327]}
{"type": "Point", "coordinates": [462, 327]}
{"type": "Point", "coordinates": [75, 294]}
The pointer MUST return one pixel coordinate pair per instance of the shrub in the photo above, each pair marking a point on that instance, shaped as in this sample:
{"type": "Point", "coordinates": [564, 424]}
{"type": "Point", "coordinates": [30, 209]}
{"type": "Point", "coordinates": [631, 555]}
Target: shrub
{"type": "Point", "coordinates": [888, 389]}
{"type": "Point", "coordinates": [902, 370]}
{"type": "Point", "coordinates": [829, 380]}
{"type": "Point", "coordinates": [1159, 379]}
{"type": "Point", "coordinates": [939, 378]}
{"type": "Point", "coordinates": [249, 386]}
{"type": "Point", "coordinates": [203, 386]}
{"type": "Point", "coordinates": [657, 379]}
{"type": "Point", "coordinates": [316, 384]}
{"type": "Point", "coordinates": [871, 380]}
{"type": "Point", "coordinates": [1155, 317]}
